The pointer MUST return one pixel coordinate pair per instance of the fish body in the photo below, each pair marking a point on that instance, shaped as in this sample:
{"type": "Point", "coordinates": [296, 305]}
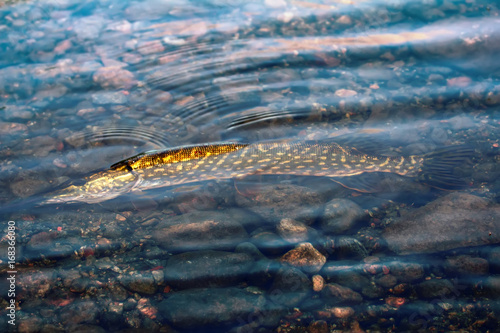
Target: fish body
{"type": "Point", "coordinates": [190, 164]}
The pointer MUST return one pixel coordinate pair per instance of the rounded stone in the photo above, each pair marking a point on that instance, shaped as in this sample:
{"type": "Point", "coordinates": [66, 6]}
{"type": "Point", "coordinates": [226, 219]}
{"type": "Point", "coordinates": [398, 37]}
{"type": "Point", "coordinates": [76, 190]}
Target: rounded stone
{"type": "Point", "coordinates": [340, 215]}
{"type": "Point", "coordinates": [306, 257]}
{"type": "Point", "coordinates": [464, 264]}
{"type": "Point", "coordinates": [292, 231]}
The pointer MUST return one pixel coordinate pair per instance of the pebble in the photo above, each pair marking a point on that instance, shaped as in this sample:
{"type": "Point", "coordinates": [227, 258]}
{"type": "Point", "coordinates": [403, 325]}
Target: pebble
{"type": "Point", "coordinates": [113, 77]}
{"type": "Point", "coordinates": [318, 283]}
{"type": "Point", "coordinates": [306, 257]}
{"type": "Point", "coordinates": [293, 231]}
{"type": "Point", "coordinates": [340, 216]}
{"type": "Point", "coordinates": [342, 312]}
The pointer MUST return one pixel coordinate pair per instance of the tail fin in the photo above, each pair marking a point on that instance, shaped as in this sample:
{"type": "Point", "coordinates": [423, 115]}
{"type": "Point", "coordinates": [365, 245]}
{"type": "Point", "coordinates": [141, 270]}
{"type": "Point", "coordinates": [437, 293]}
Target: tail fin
{"type": "Point", "coordinates": [439, 168]}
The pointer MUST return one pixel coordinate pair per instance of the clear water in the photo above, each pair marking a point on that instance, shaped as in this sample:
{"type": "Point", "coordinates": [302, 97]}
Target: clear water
{"type": "Point", "coordinates": [86, 84]}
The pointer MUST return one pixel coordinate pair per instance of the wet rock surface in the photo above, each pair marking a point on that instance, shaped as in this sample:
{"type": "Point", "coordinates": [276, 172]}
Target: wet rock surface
{"type": "Point", "coordinates": [290, 287]}
{"type": "Point", "coordinates": [293, 231]}
{"type": "Point", "coordinates": [340, 216]}
{"type": "Point", "coordinates": [305, 257]}
{"type": "Point", "coordinates": [453, 221]}
{"type": "Point", "coordinates": [207, 269]}
{"type": "Point", "coordinates": [336, 294]}
{"type": "Point", "coordinates": [275, 202]}
{"type": "Point", "coordinates": [466, 265]}
{"type": "Point", "coordinates": [214, 307]}
{"type": "Point", "coordinates": [202, 230]}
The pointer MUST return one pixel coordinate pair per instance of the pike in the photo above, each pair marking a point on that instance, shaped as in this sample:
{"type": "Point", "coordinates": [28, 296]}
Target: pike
{"type": "Point", "coordinates": [188, 164]}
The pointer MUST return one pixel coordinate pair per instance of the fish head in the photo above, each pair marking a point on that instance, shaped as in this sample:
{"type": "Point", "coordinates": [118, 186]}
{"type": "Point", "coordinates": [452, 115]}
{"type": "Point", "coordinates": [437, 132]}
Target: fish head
{"type": "Point", "coordinates": [98, 187]}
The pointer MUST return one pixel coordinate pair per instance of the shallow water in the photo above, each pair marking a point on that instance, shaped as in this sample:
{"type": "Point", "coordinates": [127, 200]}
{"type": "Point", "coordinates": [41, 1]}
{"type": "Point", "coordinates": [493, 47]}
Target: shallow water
{"type": "Point", "coordinates": [85, 85]}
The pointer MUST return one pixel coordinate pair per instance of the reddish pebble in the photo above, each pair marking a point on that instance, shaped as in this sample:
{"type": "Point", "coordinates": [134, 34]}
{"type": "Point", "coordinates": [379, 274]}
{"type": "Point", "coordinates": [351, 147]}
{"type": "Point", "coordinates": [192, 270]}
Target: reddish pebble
{"type": "Point", "coordinates": [385, 269]}
{"type": "Point", "coordinates": [88, 252]}
{"type": "Point", "coordinates": [395, 301]}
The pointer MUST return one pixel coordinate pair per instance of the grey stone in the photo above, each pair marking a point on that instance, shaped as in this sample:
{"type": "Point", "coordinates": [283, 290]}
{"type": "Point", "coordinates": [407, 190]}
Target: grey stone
{"type": "Point", "coordinates": [207, 269]}
{"type": "Point", "coordinates": [208, 308]}
{"type": "Point", "coordinates": [453, 221]}
{"type": "Point", "coordinates": [435, 288]}
{"type": "Point", "coordinates": [340, 215]}
{"type": "Point", "coordinates": [336, 294]}
{"type": "Point", "coordinates": [293, 231]}
{"type": "Point", "coordinates": [202, 230]}
{"type": "Point", "coordinates": [276, 202]}
{"type": "Point", "coordinates": [290, 287]}
{"type": "Point", "coordinates": [142, 283]}
{"type": "Point", "coordinates": [406, 271]}
{"type": "Point", "coordinates": [467, 265]}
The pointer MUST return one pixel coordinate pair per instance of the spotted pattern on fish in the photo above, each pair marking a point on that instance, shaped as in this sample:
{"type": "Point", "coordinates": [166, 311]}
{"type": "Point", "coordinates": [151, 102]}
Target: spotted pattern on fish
{"type": "Point", "coordinates": [190, 164]}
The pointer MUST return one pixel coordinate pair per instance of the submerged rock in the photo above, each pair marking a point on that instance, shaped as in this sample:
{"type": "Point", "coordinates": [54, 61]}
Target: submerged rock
{"type": "Point", "coordinates": [436, 288]}
{"type": "Point", "coordinates": [276, 202]}
{"type": "Point", "coordinates": [142, 283]}
{"type": "Point", "coordinates": [202, 230]}
{"type": "Point", "coordinates": [207, 269]}
{"type": "Point", "coordinates": [336, 294]}
{"type": "Point", "coordinates": [290, 287]}
{"type": "Point", "coordinates": [293, 231]}
{"type": "Point", "coordinates": [465, 265]}
{"type": "Point", "coordinates": [340, 215]}
{"type": "Point", "coordinates": [306, 257]}
{"type": "Point", "coordinates": [208, 308]}
{"type": "Point", "coordinates": [453, 221]}
{"type": "Point", "coordinates": [27, 184]}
